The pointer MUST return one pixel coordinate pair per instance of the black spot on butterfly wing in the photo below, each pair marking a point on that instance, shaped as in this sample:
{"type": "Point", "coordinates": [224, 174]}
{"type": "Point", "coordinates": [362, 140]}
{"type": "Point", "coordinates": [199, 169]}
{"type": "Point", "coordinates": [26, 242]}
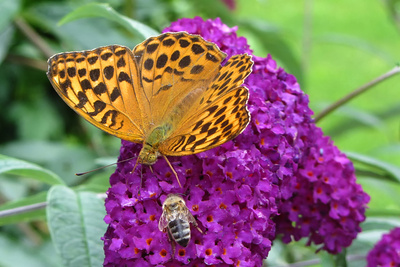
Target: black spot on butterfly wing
{"type": "Point", "coordinates": [94, 74]}
{"type": "Point", "coordinates": [211, 57]}
{"type": "Point", "coordinates": [175, 55]}
{"type": "Point", "coordinates": [108, 72]}
{"type": "Point", "coordinates": [197, 49]}
{"type": "Point", "coordinates": [115, 94]}
{"type": "Point", "coordinates": [123, 76]}
{"type": "Point", "coordinates": [106, 56]}
{"type": "Point", "coordinates": [85, 84]}
{"type": "Point", "coordinates": [151, 48]}
{"type": "Point", "coordinates": [82, 100]}
{"type": "Point", "coordinates": [66, 84]}
{"type": "Point", "coordinates": [162, 61]}
{"type": "Point", "coordinates": [121, 63]}
{"type": "Point", "coordinates": [184, 43]}
{"type": "Point", "coordinates": [184, 62]}
{"type": "Point", "coordinates": [99, 89]}
{"type": "Point", "coordinates": [92, 60]}
{"type": "Point", "coordinates": [71, 72]}
{"type": "Point", "coordinates": [99, 106]}
{"type": "Point", "coordinates": [148, 64]}
{"type": "Point", "coordinates": [82, 72]}
{"type": "Point", "coordinates": [168, 42]}
{"type": "Point", "coordinates": [62, 74]}
{"type": "Point", "coordinates": [120, 52]}
{"type": "Point", "coordinates": [196, 69]}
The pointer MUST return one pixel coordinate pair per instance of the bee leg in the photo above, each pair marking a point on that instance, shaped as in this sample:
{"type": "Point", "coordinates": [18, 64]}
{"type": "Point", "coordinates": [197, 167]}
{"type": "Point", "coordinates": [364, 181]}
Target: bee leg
{"type": "Point", "coordinates": [171, 240]}
{"type": "Point", "coordinates": [197, 226]}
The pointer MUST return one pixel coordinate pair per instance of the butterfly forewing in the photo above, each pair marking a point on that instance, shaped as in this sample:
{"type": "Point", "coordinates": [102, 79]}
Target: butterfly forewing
{"type": "Point", "coordinates": [175, 68]}
{"type": "Point", "coordinates": [98, 85]}
{"type": "Point", "coordinates": [219, 116]}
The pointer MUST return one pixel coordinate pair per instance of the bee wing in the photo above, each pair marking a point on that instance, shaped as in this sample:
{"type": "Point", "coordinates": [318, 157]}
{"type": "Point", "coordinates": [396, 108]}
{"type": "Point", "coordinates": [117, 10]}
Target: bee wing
{"type": "Point", "coordinates": [185, 214]}
{"type": "Point", "coordinates": [163, 222]}
{"type": "Point", "coordinates": [190, 217]}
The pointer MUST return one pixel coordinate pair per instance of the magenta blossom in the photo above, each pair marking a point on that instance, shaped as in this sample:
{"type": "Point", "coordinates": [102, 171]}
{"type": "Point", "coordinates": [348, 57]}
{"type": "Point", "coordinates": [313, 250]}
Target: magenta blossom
{"type": "Point", "coordinates": [387, 251]}
{"type": "Point", "coordinates": [280, 176]}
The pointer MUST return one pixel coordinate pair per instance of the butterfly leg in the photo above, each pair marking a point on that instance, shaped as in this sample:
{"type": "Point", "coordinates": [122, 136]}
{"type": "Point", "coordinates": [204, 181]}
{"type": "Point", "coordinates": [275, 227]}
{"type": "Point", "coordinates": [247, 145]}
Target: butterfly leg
{"type": "Point", "coordinates": [172, 168]}
{"type": "Point", "coordinates": [141, 174]}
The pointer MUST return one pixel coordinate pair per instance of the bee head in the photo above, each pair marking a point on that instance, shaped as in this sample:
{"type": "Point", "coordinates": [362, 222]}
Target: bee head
{"type": "Point", "coordinates": [173, 202]}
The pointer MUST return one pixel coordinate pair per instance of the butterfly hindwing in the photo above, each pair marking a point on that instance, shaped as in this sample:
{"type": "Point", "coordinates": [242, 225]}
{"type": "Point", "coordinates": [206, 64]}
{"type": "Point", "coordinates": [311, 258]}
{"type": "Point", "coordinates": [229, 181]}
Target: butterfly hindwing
{"type": "Point", "coordinates": [220, 122]}
{"type": "Point", "coordinates": [98, 85]}
{"type": "Point", "coordinates": [219, 116]}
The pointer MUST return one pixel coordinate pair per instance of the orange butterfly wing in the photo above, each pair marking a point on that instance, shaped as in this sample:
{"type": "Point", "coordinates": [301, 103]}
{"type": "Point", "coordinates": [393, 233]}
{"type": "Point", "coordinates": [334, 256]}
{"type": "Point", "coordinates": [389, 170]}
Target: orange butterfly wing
{"type": "Point", "coordinates": [101, 85]}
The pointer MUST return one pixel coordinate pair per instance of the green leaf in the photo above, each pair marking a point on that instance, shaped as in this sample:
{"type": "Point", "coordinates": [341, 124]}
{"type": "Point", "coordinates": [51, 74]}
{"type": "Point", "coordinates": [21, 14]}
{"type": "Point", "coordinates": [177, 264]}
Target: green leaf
{"type": "Point", "coordinates": [26, 169]}
{"type": "Point", "coordinates": [76, 226]}
{"type": "Point", "coordinates": [384, 196]}
{"type": "Point", "coordinates": [382, 224]}
{"type": "Point", "coordinates": [105, 11]}
{"type": "Point", "coordinates": [8, 9]}
{"type": "Point", "coordinates": [21, 253]}
{"type": "Point", "coordinates": [391, 170]}
{"type": "Point", "coordinates": [65, 159]}
{"type": "Point", "coordinates": [31, 215]}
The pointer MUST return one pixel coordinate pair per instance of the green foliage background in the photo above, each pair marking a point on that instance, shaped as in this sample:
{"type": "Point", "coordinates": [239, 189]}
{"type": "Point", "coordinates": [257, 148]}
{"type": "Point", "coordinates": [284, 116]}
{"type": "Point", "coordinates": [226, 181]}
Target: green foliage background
{"type": "Point", "coordinates": [332, 47]}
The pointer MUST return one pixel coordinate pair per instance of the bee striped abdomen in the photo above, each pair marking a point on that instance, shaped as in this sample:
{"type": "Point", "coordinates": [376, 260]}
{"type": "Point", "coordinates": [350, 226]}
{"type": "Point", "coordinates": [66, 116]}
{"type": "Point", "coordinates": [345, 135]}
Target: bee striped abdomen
{"type": "Point", "coordinates": [180, 231]}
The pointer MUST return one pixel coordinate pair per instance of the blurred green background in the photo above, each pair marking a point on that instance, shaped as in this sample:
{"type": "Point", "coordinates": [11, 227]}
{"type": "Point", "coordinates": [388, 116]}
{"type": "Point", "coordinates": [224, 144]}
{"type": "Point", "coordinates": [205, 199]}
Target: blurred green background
{"type": "Point", "coordinates": [332, 47]}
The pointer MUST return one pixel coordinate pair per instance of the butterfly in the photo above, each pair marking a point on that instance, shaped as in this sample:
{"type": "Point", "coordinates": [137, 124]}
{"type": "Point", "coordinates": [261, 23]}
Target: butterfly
{"type": "Point", "coordinates": [170, 93]}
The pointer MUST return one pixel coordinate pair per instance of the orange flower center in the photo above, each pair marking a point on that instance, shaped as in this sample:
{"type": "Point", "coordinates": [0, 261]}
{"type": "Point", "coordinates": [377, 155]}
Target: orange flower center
{"type": "Point", "coordinates": [163, 253]}
{"type": "Point", "coordinates": [182, 252]}
{"type": "Point", "coordinates": [209, 252]}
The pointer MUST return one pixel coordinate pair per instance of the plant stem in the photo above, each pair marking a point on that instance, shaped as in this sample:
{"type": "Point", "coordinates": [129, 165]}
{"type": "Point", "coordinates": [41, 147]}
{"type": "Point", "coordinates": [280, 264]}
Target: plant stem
{"type": "Point", "coordinates": [35, 38]}
{"type": "Point", "coordinates": [355, 93]}
{"type": "Point", "coordinates": [36, 206]}
{"type": "Point", "coordinates": [24, 209]}
{"type": "Point", "coordinates": [34, 63]}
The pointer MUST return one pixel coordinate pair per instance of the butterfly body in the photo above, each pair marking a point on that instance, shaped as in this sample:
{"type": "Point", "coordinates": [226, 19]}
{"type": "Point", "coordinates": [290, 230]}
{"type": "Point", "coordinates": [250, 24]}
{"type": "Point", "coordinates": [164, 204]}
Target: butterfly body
{"type": "Point", "coordinates": [170, 93]}
{"type": "Point", "coordinates": [149, 153]}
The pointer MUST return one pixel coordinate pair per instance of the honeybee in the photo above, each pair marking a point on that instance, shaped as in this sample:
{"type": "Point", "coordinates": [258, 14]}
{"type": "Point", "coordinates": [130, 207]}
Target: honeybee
{"type": "Point", "coordinates": [176, 219]}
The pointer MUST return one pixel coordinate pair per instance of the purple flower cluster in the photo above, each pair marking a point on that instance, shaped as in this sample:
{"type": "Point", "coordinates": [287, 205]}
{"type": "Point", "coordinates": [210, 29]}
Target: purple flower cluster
{"type": "Point", "coordinates": [326, 205]}
{"type": "Point", "coordinates": [387, 251]}
{"type": "Point", "coordinates": [280, 176]}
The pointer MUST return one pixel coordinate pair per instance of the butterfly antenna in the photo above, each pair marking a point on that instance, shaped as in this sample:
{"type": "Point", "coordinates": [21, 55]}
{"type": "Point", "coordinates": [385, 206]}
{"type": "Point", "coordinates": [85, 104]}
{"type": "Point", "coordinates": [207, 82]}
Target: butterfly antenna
{"type": "Point", "coordinates": [102, 167]}
{"type": "Point", "coordinates": [176, 175]}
